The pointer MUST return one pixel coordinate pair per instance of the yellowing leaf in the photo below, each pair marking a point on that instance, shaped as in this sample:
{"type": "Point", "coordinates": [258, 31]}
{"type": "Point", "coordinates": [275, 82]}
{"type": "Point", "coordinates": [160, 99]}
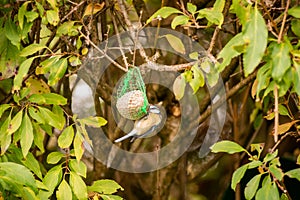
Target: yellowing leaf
{"type": "Point", "coordinates": [15, 123]}
{"type": "Point", "coordinates": [175, 43]}
{"type": "Point", "coordinates": [31, 49]}
{"type": "Point", "coordinates": [66, 137]}
{"type": "Point", "coordinates": [78, 146]}
{"type": "Point", "coordinates": [93, 121]}
{"type": "Point", "coordinates": [36, 85]}
{"type": "Point", "coordinates": [93, 8]}
{"type": "Point", "coordinates": [283, 128]}
{"type": "Point", "coordinates": [54, 157]}
{"type": "Point", "coordinates": [105, 186]}
{"type": "Point", "coordinates": [24, 67]}
{"type": "Point", "coordinates": [78, 186]}
{"type": "Point", "coordinates": [179, 87]}
{"type": "Point", "coordinates": [179, 20]}
{"type": "Point", "coordinates": [52, 17]}
{"type": "Point", "coordinates": [198, 79]}
{"type": "Point", "coordinates": [64, 191]}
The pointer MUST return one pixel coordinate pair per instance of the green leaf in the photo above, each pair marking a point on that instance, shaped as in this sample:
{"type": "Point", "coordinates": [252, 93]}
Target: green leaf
{"type": "Point", "coordinates": [17, 174]}
{"type": "Point", "coordinates": [53, 4]}
{"type": "Point", "coordinates": [258, 147]}
{"type": "Point", "coordinates": [179, 87]}
{"type": "Point", "coordinates": [163, 12]}
{"type": "Point", "coordinates": [31, 163]}
{"type": "Point", "coordinates": [78, 186]}
{"type": "Point", "coordinates": [252, 186]}
{"type": "Point", "coordinates": [65, 28]}
{"type": "Point", "coordinates": [46, 65]}
{"type": "Point", "coordinates": [295, 11]}
{"type": "Point", "coordinates": [270, 156]}
{"type": "Point", "coordinates": [5, 138]}
{"type": "Point", "coordinates": [283, 110]}
{"type": "Point", "coordinates": [53, 178]}
{"type": "Point", "coordinates": [51, 118]}
{"type": "Point", "coordinates": [179, 20]}
{"type": "Point", "coordinates": [211, 16]}
{"type": "Point", "coordinates": [15, 123]}
{"type": "Point", "coordinates": [175, 43]}
{"type": "Point", "coordinates": [296, 77]}
{"type": "Point", "coordinates": [105, 186]}
{"type": "Point", "coordinates": [78, 146]}
{"type": "Point", "coordinates": [268, 191]}
{"type": "Point", "coordinates": [48, 98]}
{"type": "Point", "coordinates": [295, 173]}
{"type": "Point", "coordinates": [11, 32]}
{"type": "Point", "coordinates": [95, 122]}
{"type": "Point", "coordinates": [110, 197]}
{"type": "Point", "coordinates": [31, 49]}
{"type": "Point", "coordinates": [194, 55]}
{"type": "Point", "coordinates": [277, 172]}
{"type": "Point", "coordinates": [198, 78]}
{"type": "Point", "coordinates": [256, 34]}
{"type": "Point", "coordinates": [58, 70]}
{"type": "Point", "coordinates": [35, 114]}
{"type": "Point", "coordinates": [66, 137]}
{"type": "Point", "coordinates": [78, 167]}
{"type": "Point", "coordinates": [241, 11]}
{"type": "Point", "coordinates": [64, 191]}
{"type": "Point", "coordinates": [54, 157]}
{"type": "Point", "coordinates": [191, 8]}
{"type": "Point", "coordinates": [31, 16]}
{"type": "Point", "coordinates": [52, 17]}
{"type": "Point", "coordinates": [298, 160]}
{"type": "Point", "coordinates": [254, 164]}
{"type": "Point", "coordinates": [26, 135]}
{"type": "Point", "coordinates": [263, 77]}
{"type": "Point", "coordinates": [39, 136]}
{"type": "Point", "coordinates": [229, 51]}
{"type": "Point", "coordinates": [3, 108]}
{"type": "Point", "coordinates": [296, 27]}
{"type": "Point", "coordinates": [237, 176]}
{"type": "Point", "coordinates": [219, 5]}
{"type": "Point", "coordinates": [228, 147]}
{"type": "Point", "coordinates": [22, 72]}
{"type": "Point", "coordinates": [21, 14]}
{"type": "Point", "coordinates": [281, 59]}
{"type": "Point", "coordinates": [59, 112]}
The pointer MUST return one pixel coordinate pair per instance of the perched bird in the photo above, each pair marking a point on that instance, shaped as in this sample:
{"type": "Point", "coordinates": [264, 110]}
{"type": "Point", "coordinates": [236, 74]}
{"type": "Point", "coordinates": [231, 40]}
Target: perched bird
{"type": "Point", "coordinates": [146, 126]}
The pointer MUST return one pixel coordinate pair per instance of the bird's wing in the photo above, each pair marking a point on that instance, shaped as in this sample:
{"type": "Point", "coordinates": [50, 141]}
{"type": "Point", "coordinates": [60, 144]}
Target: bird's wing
{"type": "Point", "coordinates": [130, 134]}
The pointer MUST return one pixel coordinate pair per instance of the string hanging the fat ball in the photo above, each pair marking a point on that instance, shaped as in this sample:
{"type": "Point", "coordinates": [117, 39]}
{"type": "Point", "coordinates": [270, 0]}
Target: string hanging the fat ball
{"type": "Point", "coordinates": [132, 102]}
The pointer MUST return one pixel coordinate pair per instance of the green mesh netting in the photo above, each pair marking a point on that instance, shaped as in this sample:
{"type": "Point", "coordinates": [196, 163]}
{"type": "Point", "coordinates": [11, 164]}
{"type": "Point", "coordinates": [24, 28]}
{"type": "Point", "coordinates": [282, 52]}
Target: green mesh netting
{"type": "Point", "coordinates": [132, 102]}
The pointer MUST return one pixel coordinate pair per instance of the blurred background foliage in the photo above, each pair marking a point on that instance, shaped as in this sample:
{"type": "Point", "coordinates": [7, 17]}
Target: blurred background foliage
{"type": "Point", "coordinates": [46, 107]}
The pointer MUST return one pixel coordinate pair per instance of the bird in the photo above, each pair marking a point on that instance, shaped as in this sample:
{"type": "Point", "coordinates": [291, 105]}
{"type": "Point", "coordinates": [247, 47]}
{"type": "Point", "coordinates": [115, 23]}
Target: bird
{"type": "Point", "coordinates": [147, 126]}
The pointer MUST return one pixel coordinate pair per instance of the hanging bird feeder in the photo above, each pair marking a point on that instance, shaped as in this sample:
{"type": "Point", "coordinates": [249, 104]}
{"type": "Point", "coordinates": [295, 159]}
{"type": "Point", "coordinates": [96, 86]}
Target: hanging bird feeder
{"type": "Point", "coordinates": [132, 102]}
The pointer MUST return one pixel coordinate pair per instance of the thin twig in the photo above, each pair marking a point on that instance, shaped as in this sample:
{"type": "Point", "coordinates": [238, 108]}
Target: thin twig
{"type": "Point", "coordinates": [119, 39]}
{"type": "Point", "coordinates": [103, 53]}
{"type": "Point", "coordinates": [131, 30]}
{"type": "Point", "coordinates": [161, 67]}
{"type": "Point", "coordinates": [283, 21]}
{"type": "Point", "coordinates": [276, 119]}
{"type": "Point", "coordinates": [213, 40]}
{"type": "Point", "coordinates": [73, 10]}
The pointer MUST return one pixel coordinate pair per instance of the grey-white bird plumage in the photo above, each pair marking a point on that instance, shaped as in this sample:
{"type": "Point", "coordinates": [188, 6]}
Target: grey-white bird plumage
{"type": "Point", "coordinates": [146, 126]}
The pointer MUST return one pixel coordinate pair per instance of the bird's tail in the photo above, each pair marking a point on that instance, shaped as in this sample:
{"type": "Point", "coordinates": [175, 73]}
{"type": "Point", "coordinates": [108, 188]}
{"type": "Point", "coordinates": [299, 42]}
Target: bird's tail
{"type": "Point", "coordinates": [130, 134]}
